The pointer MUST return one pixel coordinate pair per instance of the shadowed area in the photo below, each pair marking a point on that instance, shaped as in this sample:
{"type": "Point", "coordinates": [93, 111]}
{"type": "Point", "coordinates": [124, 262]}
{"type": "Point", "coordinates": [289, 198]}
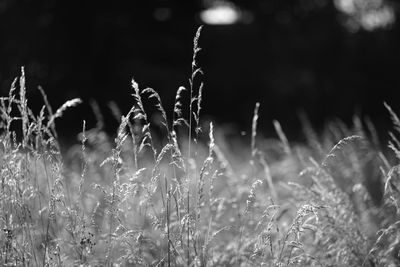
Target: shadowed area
{"type": "Point", "coordinates": [328, 58]}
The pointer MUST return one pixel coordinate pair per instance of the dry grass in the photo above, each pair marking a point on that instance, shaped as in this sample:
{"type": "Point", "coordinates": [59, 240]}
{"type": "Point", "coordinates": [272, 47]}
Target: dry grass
{"type": "Point", "coordinates": [186, 200]}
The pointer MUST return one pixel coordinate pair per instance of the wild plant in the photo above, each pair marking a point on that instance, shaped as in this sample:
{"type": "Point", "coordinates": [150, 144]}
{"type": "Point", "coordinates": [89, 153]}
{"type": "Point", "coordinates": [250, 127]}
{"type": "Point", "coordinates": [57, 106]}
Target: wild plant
{"type": "Point", "coordinates": [135, 199]}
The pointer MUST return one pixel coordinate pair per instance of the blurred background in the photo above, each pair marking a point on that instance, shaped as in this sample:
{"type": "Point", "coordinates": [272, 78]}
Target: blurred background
{"type": "Point", "coordinates": [328, 58]}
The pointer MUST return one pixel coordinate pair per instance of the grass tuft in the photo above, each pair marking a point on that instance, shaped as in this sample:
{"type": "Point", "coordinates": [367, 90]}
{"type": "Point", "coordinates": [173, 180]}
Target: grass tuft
{"type": "Point", "coordinates": [190, 199]}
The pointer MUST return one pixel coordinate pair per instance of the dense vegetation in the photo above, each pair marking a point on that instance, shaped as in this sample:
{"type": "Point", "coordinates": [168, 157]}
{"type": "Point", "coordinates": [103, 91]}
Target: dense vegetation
{"type": "Point", "coordinates": [185, 197]}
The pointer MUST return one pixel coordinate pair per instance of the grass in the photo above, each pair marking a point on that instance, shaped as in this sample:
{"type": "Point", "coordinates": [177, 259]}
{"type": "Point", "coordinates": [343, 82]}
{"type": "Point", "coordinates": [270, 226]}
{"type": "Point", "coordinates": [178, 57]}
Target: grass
{"type": "Point", "coordinates": [187, 199]}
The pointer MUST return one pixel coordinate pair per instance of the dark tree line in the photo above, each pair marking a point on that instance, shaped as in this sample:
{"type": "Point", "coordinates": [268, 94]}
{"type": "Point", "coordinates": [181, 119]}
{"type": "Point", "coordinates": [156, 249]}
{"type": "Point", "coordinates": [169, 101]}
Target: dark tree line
{"type": "Point", "coordinates": [293, 55]}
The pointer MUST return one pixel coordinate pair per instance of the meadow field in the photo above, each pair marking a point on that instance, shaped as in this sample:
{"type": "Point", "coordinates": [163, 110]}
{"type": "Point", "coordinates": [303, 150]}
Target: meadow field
{"type": "Point", "coordinates": [172, 190]}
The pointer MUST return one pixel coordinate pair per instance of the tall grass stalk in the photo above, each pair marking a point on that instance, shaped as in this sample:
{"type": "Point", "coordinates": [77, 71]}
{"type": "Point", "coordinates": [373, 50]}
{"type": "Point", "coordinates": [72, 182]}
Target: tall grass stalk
{"type": "Point", "coordinates": [189, 200]}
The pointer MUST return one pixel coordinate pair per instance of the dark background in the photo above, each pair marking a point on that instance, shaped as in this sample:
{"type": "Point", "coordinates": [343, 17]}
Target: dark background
{"type": "Point", "coordinates": [288, 55]}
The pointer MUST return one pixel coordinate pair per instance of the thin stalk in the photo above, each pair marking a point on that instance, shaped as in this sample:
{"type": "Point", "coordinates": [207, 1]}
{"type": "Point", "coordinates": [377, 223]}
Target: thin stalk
{"type": "Point", "coordinates": [48, 219]}
{"type": "Point", "coordinates": [188, 180]}
{"type": "Point", "coordinates": [195, 70]}
{"type": "Point", "coordinates": [167, 215]}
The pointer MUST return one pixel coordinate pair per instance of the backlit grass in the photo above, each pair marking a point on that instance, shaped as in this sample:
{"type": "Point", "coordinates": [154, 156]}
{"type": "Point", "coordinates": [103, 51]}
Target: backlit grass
{"type": "Point", "coordinates": [189, 198]}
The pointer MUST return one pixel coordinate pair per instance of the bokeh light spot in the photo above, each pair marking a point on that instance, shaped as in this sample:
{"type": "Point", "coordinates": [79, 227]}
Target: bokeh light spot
{"type": "Point", "coordinates": [221, 13]}
{"type": "Point", "coordinates": [366, 14]}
